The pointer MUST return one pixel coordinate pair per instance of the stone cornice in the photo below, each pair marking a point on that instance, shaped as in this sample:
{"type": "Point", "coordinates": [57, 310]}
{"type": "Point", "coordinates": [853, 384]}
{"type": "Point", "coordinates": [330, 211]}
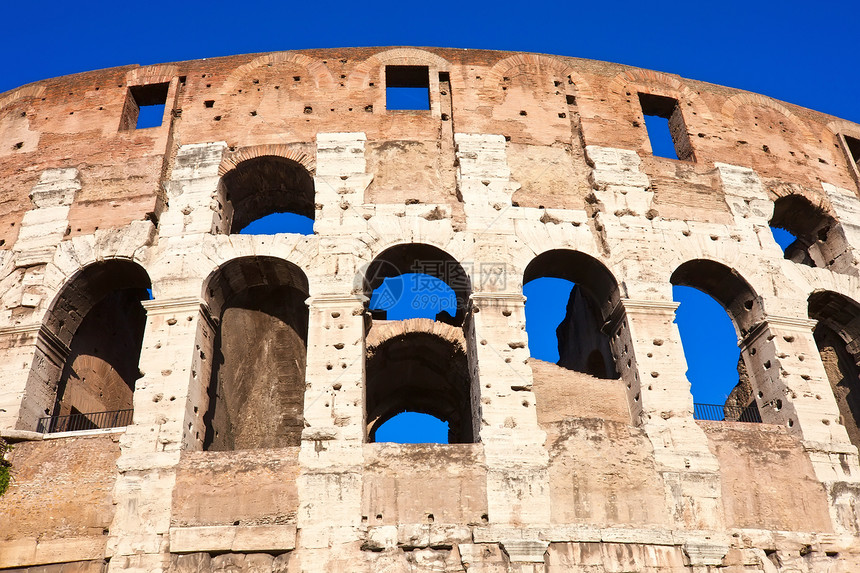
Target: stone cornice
{"type": "Point", "coordinates": [779, 322]}
{"type": "Point", "coordinates": [628, 306]}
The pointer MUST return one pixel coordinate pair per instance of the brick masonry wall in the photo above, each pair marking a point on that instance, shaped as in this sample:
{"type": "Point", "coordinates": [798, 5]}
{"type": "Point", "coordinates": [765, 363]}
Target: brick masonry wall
{"type": "Point", "coordinates": [519, 156]}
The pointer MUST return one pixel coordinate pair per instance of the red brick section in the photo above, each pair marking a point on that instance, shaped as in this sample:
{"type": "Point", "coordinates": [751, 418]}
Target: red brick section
{"type": "Point", "coordinates": [286, 98]}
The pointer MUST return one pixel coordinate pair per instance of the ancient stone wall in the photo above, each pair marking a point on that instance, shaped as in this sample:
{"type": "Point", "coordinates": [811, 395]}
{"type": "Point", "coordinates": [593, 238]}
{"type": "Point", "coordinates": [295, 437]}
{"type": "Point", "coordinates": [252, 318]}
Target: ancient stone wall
{"type": "Point", "coordinates": [263, 374]}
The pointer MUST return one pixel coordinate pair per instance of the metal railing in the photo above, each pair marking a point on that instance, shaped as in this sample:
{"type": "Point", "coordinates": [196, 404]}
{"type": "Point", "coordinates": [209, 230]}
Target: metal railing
{"type": "Point", "coordinates": [724, 413]}
{"type": "Point", "coordinates": [79, 421]}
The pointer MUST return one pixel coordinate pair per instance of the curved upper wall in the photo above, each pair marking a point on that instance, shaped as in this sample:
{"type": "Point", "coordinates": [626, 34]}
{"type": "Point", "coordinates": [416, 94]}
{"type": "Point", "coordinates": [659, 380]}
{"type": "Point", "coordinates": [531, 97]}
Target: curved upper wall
{"type": "Point", "coordinates": [547, 107]}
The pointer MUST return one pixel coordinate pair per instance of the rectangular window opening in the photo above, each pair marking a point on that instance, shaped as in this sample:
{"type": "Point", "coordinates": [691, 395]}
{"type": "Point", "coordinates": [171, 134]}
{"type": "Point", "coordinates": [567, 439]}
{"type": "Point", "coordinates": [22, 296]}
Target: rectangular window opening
{"type": "Point", "coordinates": [853, 146]}
{"type": "Point", "coordinates": [666, 129]}
{"type": "Point", "coordinates": [407, 87]}
{"type": "Point", "coordinates": [145, 106]}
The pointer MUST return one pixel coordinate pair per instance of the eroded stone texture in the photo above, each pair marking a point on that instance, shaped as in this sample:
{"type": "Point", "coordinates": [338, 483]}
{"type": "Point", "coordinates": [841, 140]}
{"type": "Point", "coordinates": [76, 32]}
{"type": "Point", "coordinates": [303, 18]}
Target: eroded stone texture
{"type": "Point", "coordinates": [258, 375]}
{"type": "Point", "coordinates": [259, 388]}
{"type": "Point", "coordinates": [221, 488]}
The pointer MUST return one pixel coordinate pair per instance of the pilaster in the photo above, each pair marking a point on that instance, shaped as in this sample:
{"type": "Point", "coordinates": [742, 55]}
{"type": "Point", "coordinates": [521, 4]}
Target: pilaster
{"type": "Point", "coordinates": [169, 403]}
{"type": "Point", "coordinates": [331, 456]}
{"type": "Point", "coordinates": [517, 462]}
{"type": "Point", "coordinates": [650, 358]}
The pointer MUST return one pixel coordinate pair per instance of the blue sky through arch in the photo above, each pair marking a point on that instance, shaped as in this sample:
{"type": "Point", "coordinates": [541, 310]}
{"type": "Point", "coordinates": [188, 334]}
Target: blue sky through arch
{"type": "Point", "coordinates": [413, 295]}
{"type": "Point", "coordinates": [413, 428]}
{"type": "Point", "coordinates": [710, 345]}
{"type": "Point", "coordinates": [783, 238]}
{"type": "Point", "coordinates": [546, 307]}
{"type": "Point", "coordinates": [280, 223]}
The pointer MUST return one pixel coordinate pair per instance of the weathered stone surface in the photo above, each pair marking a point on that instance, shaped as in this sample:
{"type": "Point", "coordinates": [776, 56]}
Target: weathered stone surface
{"type": "Point", "coordinates": [263, 374]}
{"type": "Point", "coordinates": [62, 489]}
{"type": "Point", "coordinates": [220, 488]}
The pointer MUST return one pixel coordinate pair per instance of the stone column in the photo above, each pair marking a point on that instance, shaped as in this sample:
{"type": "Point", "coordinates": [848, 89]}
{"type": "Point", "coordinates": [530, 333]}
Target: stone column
{"type": "Point", "coordinates": [331, 458]}
{"type": "Point", "coordinates": [193, 192]}
{"type": "Point", "coordinates": [340, 182]}
{"type": "Point", "coordinates": [526, 556]}
{"type": "Point", "coordinates": [650, 358]}
{"type": "Point", "coordinates": [45, 225]}
{"type": "Point", "coordinates": [176, 361]}
{"type": "Point", "coordinates": [30, 370]}
{"type": "Point", "coordinates": [517, 463]}
{"type": "Point", "coordinates": [792, 390]}
{"type": "Point", "coordinates": [169, 403]}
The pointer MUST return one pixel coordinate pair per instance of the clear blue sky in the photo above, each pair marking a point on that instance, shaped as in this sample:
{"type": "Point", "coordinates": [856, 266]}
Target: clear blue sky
{"type": "Point", "coordinates": [794, 51]}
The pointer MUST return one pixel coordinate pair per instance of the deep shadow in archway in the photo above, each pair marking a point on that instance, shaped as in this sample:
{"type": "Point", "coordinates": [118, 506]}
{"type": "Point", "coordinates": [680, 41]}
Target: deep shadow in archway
{"type": "Point", "coordinates": [99, 313]}
{"type": "Point", "coordinates": [818, 241]}
{"type": "Point", "coordinates": [256, 389]}
{"type": "Point", "coordinates": [263, 186]}
{"type": "Point", "coordinates": [420, 372]}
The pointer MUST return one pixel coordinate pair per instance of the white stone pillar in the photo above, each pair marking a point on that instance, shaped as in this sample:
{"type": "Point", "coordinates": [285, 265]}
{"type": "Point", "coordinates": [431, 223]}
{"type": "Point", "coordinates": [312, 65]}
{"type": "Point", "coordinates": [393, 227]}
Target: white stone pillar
{"type": "Point", "coordinates": [169, 403]}
{"type": "Point", "coordinates": [647, 345]}
{"type": "Point", "coordinates": [340, 182]}
{"type": "Point", "coordinates": [194, 204]}
{"type": "Point", "coordinates": [171, 398]}
{"type": "Point", "coordinates": [33, 359]}
{"type": "Point", "coordinates": [846, 207]}
{"type": "Point", "coordinates": [792, 390]}
{"type": "Point", "coordinates": [484, 181]}
{"type": "Point", "coordinates": [517, 462]}
{"type": "Point", "coordinates": [331, 458]}
{"type": "Point", "coordinates": [44, 226]}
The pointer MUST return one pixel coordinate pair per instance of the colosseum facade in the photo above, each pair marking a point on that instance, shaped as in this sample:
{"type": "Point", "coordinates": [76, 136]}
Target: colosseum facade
{"type": "Point", "coordinates": [230, 385]}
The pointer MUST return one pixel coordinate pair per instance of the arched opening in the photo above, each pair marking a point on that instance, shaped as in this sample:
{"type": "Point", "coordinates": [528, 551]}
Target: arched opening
{"type": "Point", "coordinates": [416, 359]}
{"type": "Point", "coordinates": [256, 388]}
{"type": "Point", "coordinates": [416, 368]}
{"type": "Point", "coordinates": [417, 281]}
{"type": "Point", "coordinates": [99, 315]}
{"type": "Point", "coordinates": [569, 296]}
{"type": "Point", "coordinates": [273, 193]}
{"type": "Point", "coordinates": [836, 334]}
{"type": "Point", "coordinates": [716, 308]}
{"type": "Point", "coordinates": [807, 233]}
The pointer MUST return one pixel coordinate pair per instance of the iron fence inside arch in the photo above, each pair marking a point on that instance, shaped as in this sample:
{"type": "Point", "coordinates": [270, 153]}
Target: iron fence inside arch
{"type": "Point", "coordinates": [725, 413]}
{"type": "Point", "coordinates": [80, 421]}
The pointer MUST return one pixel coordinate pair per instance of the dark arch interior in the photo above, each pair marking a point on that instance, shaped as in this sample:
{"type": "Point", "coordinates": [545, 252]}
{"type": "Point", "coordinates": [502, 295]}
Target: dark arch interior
{"type": "Point", "coordinates": [424, 373]}
{"type": "Point", "coordinates": [810, 225]}
{"type": "Point", "coordinates": [256, 389]}
{"type": "Point", "coordinates": [264, 185]}
{"type": "Point", "coordinates": [582, 344]}
{"type": "Point", "coordinates": [99, 315]}
{"type": "Point", "coordinates": [725, 286]}
{"type": "Point", "coordinates": [423, 259]}
{"type": "Point", "coordinates": [836, 334]}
